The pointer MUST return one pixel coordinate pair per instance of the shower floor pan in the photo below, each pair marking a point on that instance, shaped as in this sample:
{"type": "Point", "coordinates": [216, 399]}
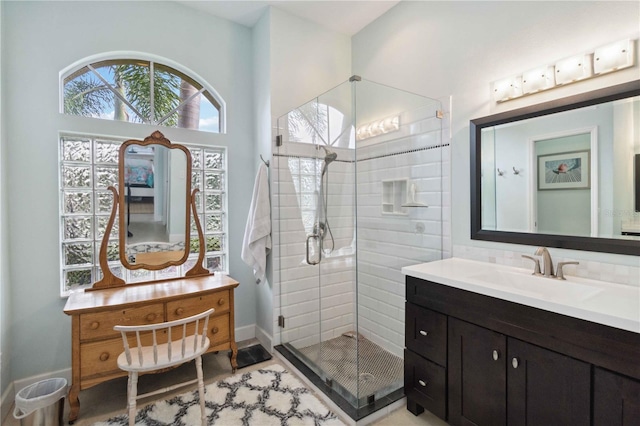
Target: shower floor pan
{"type": "Point", "coordinates": [366, 371]}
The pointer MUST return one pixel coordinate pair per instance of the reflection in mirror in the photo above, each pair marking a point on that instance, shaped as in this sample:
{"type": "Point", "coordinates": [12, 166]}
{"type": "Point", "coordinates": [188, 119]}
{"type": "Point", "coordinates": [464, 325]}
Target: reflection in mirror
{"type": "Point", "coordinates": [560, 174]}
{"type": "Point", "coordinates": [154, 203]}
{"type": "Point", "coordinates": [155, 196]}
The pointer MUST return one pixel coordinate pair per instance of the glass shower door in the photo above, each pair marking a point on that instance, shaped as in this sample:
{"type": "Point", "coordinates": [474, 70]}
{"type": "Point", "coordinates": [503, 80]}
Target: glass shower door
{"type": "Point", "coordinates": [315, 192]}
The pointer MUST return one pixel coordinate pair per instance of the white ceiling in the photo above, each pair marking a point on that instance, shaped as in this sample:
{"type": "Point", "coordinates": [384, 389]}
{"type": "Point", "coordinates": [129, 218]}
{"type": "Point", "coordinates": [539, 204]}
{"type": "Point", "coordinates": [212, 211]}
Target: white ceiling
{"type": "Point", "coordinates": [346, 17]}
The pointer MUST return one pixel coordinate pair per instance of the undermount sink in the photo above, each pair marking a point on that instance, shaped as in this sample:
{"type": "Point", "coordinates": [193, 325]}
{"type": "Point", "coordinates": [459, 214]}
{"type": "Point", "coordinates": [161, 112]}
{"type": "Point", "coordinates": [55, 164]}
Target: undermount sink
{"type": "Point", "coordinates": [538, 286]}
{"type": "Point", "coordinates": [616, 305]}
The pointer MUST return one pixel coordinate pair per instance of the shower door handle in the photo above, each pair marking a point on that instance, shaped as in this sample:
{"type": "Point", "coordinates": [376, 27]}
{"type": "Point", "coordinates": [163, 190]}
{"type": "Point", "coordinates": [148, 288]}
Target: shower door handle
{"type": "Point", "coordinates": [317, 238]}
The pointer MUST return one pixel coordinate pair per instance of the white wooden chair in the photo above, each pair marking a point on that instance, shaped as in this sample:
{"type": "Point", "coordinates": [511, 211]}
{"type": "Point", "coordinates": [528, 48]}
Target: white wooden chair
{"type": "Point", "coordinates": [140, 358]}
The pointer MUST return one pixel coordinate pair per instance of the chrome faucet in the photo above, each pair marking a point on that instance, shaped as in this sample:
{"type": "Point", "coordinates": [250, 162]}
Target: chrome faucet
{"type": "Point", "coordinates": [546, 259]}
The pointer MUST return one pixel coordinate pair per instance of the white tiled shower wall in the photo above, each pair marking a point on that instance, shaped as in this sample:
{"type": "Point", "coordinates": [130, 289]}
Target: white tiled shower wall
{"type": "Point", "coordinates": [319, 302]}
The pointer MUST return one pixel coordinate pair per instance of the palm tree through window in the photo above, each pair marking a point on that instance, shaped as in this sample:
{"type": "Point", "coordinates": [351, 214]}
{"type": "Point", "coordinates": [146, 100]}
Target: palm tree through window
{"type": "Point", "coordinates": [141, 91]}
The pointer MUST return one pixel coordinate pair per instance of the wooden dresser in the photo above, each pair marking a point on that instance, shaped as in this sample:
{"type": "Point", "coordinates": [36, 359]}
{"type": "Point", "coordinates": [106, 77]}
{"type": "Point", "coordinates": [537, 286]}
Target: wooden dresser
{"type": "Point", "coordinates": [95, 346]}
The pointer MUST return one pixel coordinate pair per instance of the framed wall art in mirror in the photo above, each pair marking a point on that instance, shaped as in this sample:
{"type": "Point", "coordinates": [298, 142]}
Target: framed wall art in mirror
{"type": "Point", "coordinates": [153, 205]}
{"type": "Point", "coordinates": [572, 184]}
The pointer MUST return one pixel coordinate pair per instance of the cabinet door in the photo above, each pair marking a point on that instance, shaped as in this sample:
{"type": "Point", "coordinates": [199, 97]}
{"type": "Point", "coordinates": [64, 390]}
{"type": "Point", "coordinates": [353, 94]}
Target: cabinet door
{"type": "Point", "coordinates": [546, 388]}
{"type": "Point", "coordinates": [425, 385]}
{"type": "Point", "coordinates": [426, 333]}
{"type": "Point", "coordinates": [616, 399]}
{"type": "Point", "coordinates": [477, 375]}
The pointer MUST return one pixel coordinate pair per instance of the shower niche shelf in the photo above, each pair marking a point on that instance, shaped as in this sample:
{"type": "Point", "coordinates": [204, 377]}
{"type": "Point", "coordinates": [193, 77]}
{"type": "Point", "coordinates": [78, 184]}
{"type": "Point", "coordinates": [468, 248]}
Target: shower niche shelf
{"type": "Point", "coordinates": [397, 195]}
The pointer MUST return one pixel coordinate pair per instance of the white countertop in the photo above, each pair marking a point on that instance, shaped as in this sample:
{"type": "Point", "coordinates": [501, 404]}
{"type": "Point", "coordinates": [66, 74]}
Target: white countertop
{"type": "Point", "coordinates": [615, 305]}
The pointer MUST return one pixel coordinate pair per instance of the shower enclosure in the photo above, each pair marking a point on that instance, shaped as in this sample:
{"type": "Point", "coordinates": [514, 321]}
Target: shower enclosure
{"type": "Point", "coordinates": [358, 193]}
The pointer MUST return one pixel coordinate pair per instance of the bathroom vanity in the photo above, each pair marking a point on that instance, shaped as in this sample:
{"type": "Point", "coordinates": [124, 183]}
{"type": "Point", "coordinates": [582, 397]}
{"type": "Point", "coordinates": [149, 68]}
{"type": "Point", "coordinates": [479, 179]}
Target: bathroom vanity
{"type": "Point", "coordinates": [492, 345]}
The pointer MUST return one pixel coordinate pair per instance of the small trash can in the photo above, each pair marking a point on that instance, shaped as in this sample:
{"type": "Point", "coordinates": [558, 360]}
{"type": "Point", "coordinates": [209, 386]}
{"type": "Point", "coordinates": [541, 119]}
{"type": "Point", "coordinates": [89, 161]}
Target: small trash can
{"type": "Point", "coordinates": [41, 404]}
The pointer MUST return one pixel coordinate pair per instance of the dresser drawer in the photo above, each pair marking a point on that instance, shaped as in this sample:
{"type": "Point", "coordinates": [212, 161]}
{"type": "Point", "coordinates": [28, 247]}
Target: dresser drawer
{"type": "Point", "coordinates": [219, 329]}
{"type": "Point", "coordinates": [98, 358]}
{"type": "Point", "coordinates": [425, 383]}
{"type": "Point", "coordinates": [99, 325]}
{"type": "Point", "coordinates": [101, 357]}
{"type": "Point", "coordinates": [194, 305]}
{"type": "Point", "coordinates": [426, 333]}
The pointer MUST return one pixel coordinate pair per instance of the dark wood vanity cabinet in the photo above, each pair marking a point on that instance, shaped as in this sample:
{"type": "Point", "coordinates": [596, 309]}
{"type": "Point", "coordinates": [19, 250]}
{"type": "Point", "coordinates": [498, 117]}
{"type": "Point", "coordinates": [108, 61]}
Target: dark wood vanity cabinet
{"type": "Point", "coordinates": [502, 380]}
{"type": "Point", "coordinates": [616, 399]}
{"type": "Point", "coordinates": [425, 359]}
{"type": "Point", "coordinates": [471, 359]}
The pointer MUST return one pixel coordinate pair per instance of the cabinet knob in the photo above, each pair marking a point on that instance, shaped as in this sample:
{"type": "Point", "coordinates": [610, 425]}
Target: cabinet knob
{"type": "Point", "coordinates": [179, 311]}
{"type": "Point", "coordinates": [214, 330]}
{"type": "Point", "coordinates": [152, 316]}
{"type": "Point", "coordinates": [104, 356]}
{"type": "Point", "coordinates": [221, 302]}
{"type": "Point", "coordinates": [422, 383]}
{"type": "Point", "coordinates": [495, 355]}
{"type": "Point", "coordinates": [94, 325]}
{"type": "Point", "coordinates": [424, 333]}
{"type": "Point", "coordinates": [515, 362]}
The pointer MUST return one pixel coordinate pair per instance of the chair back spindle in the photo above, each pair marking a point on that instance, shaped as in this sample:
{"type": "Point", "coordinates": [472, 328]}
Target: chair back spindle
{"type": "Point", "coordinates": [158, 354]}
{"type": "Point", "coordinates": [191, 345]}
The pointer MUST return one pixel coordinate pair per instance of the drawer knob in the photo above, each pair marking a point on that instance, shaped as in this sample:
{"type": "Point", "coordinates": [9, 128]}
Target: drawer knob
{"type": "Point", "coordinates": [424, 333]}
{"type": "Point", "coordinates": [495, 355]}
{"type": "Point", "coordinates": [515, 362]}
{"type": "Point", "coordinates": [221, 302]}
{"type": "Point", "coordinates": [179, 311]}
{"type": "Point", "coordinates": [152, 316]}
{"type": "Point", "coordinates": [214, 330]}
{"type": "Point", "coordinates": [422, 383]}
{"type": "Point", "coordinates": [104, 356]}
{"type": "Point", "coordinates": [94, 325]}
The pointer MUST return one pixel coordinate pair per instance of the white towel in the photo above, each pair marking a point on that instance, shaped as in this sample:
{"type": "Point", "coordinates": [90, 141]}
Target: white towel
{"type": "Point", "coordinates": [257, 234]}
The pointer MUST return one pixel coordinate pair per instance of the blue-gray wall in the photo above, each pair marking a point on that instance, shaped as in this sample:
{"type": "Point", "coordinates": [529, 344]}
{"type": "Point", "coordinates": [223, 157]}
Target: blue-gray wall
{"type": "Point", "coordinates": [42, 38]}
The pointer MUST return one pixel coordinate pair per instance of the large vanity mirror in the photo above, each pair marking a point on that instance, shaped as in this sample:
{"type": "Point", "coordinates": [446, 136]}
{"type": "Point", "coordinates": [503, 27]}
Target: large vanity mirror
{"type": "Point", "coordinates": [560, 174]}
{"type": "Point", "coordinates": [153, 202]}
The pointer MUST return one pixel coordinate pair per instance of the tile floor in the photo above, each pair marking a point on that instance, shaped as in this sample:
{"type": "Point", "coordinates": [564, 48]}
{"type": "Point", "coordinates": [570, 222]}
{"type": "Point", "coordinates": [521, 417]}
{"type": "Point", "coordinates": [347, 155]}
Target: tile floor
{"type": "Point", "coordinates": [94, 406]}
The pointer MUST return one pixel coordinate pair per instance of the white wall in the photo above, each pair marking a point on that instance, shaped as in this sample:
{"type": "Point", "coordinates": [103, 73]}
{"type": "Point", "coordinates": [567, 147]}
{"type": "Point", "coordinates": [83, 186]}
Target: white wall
{"type": "Point", "coordinates": [39, 40]}
{"type": "Point", "coordinates": [459, 48]}
{"type": "Point", "coordinates": [304, 60]}
{"type": "Point", "coordinates": [262, 114]}
{"type": "Point", "coordinates": [6, 377]}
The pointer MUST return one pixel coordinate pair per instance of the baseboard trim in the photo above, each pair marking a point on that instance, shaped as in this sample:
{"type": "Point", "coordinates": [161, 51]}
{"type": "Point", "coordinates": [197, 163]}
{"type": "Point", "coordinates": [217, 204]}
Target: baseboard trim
{"type": "Point", "coordinates": [245, 333]}
{"type": "Point", "coordinates": [6, 402]}
{"type": "Point", "coordinates": [65, 373]}
{"type": "Point", "coordinates": [264, 339]}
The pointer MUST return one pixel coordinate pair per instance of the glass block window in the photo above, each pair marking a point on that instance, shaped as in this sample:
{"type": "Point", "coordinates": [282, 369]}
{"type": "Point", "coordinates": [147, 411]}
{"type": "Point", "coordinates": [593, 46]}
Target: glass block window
{"type": "Point", "coordinates": [141, 91]}
{"type": "Point", "coordinates": [88, 166]}
{"type": "Point", "coordinates": [209, 176]}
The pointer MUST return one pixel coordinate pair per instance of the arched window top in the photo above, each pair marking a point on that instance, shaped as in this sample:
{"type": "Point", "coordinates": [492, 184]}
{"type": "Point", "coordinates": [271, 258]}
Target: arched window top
{"type": "Point", "coordinates": [141, 89]}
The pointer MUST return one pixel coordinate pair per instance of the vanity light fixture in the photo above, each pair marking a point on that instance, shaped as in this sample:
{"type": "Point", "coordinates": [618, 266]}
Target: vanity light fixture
{"type": "Point", "coordinates": [613, 57]}
{"type": "Point", "coordinates": [573, 69]}
{"type": "Point", "coordinates": [508, 88]}
{"type": "Point", "coordinates": [379, 127]}
{"type": "Point", "coordinates": [609, 58]}
{"type": "Point", "coordinates": [536, 80]}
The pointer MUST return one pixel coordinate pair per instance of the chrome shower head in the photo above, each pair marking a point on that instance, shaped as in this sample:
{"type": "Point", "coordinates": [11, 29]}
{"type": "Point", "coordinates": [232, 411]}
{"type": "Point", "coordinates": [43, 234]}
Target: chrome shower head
{"type": "Point", "coordinates": [330, 156]}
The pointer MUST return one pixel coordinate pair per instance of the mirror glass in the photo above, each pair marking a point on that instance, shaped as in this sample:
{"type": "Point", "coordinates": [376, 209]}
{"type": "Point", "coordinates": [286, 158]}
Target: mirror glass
{"type": "Point", "coordinates": [560, 174]}
{"type": "Point", "coordinates": [154, 208]}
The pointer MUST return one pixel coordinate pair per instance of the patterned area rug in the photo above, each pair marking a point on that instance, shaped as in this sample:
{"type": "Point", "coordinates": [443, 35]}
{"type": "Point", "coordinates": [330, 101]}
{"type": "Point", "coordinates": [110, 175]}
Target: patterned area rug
{"type": "Point", "coordinates": [269, 396]}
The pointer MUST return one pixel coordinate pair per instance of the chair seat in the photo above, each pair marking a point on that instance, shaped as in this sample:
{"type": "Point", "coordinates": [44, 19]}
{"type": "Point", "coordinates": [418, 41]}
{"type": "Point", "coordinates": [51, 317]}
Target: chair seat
{"type": "Point", "coordinates": [148, 362]}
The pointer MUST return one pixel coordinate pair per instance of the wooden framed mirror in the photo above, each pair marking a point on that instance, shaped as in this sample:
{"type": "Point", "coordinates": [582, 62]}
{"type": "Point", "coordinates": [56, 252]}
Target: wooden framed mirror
{"type": "Point", "coordinates": [153, 207]}
{"type": "Point", "coordinates": [155, 184]}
